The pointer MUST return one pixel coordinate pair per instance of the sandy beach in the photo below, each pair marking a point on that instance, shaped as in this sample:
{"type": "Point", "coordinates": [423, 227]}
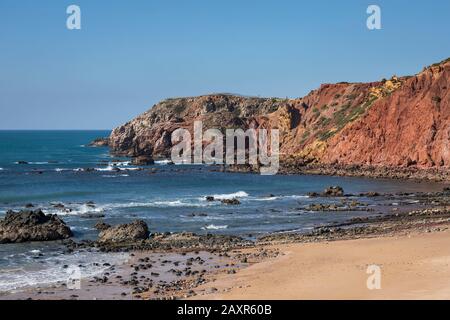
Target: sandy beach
{"type": "Point", "coordinates": [415, 266]}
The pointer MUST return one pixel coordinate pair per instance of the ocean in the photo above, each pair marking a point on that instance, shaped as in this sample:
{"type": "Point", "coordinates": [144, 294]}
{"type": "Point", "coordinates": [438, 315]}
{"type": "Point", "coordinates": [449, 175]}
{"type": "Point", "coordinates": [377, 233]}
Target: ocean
{"type": "Point", "coordinates": [45, 168]}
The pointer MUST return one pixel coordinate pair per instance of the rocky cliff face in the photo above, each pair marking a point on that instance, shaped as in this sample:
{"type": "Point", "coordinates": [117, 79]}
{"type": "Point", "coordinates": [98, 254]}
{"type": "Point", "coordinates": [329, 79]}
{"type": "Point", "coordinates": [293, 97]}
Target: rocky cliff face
{"type": "Point", "coordinates": [410, 126]}
{"type": "Point", "coordinates": [150, 133]}
{"type": "Point", "coordinates": [397, 122]}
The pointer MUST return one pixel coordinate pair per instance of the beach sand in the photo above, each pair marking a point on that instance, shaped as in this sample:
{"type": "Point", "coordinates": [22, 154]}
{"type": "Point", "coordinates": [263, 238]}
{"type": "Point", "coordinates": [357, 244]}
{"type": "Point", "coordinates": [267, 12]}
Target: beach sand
{"type": "Point", "coordinates": [416, 266]}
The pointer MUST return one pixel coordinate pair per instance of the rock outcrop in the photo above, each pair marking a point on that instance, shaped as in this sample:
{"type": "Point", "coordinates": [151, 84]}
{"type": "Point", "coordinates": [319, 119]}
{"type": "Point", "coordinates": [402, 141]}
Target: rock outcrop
{"type": "Point", "coordinates": [29, 225]}
{"type": "Point", "coordinates": [102, 226]}
{"type": "Point", "coordinates": [333, 191]}
{"type": "Point", "coordinates": [399, 122]}
{"type": "Point", "coordinates": [143, 161]}
{"type": "Point", "coordinates": [135, 231]}
{"type": "Point", "coordinates": [99, 142]}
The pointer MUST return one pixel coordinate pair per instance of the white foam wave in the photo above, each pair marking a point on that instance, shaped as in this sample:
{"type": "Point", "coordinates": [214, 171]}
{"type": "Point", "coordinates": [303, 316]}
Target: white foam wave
{"type": "Point", "coordinates": [214, 227]}
{"type": "Point", "coordinates": [239, 194]}
{"type": "Point", "coordinates": [163, 162]}
{"type": "Point", "coordinates": [121, 163]}
{"type": "Point", "coordinates": [81, 229]}
{"type": "Point", "coordinates": [37, 162]}
{"type": "Point", "coordinates": [266, 199]}
{"type": "Point", "coordinates": [79, 211]}
{"type": "Point", "coordinates": [66, 169]}
{"type": "Point", "coordinates": [115, 176]}
{"type": "Point", "coordinates": [108, 168]}
{"type": "Point", "coordinates": [295, 196]}
{"type": "Point", "coordinates": [158, 204]}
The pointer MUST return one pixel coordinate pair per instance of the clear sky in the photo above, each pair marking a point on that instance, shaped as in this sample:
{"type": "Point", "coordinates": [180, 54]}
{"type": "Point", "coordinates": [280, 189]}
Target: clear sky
{"type": "Point", "coordinates": [131, 54]}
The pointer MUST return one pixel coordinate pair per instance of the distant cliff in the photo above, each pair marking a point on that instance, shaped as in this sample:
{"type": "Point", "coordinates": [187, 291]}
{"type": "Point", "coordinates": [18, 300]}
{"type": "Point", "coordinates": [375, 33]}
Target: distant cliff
{"type": "Point", "coordinates": [403, 121]}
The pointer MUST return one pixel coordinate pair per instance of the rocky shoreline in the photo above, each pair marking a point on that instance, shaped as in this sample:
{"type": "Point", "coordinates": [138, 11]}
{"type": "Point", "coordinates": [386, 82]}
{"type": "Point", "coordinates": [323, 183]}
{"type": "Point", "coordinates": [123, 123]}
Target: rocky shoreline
{"type": "Point", "coordinates": [147, 274]}
{"type": "Point", "coordinates": [412, 173]}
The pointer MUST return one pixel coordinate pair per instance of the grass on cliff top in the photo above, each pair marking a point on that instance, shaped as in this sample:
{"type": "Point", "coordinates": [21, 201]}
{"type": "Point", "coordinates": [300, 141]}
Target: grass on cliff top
{"type": "Point", "coordinates": [342, 117]}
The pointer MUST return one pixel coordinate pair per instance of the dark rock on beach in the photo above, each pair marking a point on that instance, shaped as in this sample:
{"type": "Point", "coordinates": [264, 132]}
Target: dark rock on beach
{"type": "Point", "coordinates": [29, 225]}
{"type": "Point", "coordinates": [231, 202]}
{"type": "Point", "coordinates": [137, 230]}
{"type": "Point", "coordinates": [333, 191]}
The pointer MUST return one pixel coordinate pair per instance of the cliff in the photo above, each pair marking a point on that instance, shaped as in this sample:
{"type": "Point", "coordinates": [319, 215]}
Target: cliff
{"type": "Point", "coordinates": [403, 122]}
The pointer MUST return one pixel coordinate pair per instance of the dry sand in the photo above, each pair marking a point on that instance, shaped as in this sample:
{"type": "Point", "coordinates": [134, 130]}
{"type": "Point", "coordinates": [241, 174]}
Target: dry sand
{"type": "Point", "coordinates": [412, 267]}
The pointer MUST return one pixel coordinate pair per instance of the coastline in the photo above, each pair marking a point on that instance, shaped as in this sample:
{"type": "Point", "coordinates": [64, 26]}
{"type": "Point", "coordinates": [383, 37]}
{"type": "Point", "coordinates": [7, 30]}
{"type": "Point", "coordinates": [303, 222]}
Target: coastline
{"type": "Point", "coordinates": [330, 262]}
{"type": "Point", "coordinates": [413, 173]}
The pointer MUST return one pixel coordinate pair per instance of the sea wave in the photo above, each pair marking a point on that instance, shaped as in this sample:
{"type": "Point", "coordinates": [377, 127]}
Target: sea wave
{"type": "Point", "coordinates": [82, 209]}
{"type": "Point", "coordinates": [115, 176]}
{"type": "Point", "coordinates": [225, 196]}
{"type": "Point", "coordinates": [266, 199]}
{"type": "Point", "coordinates": [51, 270]}
{"type": "Point", "coordinates": [121, 163]}
{"type": "Point", "coordinates": [214, 227]}
{"type": "Point", "coordinates": [38, 162]}
{"type": "Point", "coordinates": [163, 162]}
{"type": "Point", "coordinates": [76, 228]}
{"type": "Point", "coordinates": [114, 168]}
{"type": "Point", "coordinates": [158, 204]}
{"type": "Point", "coordinates": [108, 168]}
{"type": "Point", "coordinates": [68, 169]}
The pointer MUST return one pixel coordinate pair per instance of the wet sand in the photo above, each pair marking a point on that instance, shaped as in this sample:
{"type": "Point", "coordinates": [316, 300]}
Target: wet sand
{"type": "Point", "coordinates": [146, 275]}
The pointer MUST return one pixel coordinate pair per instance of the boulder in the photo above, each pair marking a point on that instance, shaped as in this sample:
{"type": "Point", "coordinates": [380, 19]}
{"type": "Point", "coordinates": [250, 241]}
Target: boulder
{"type": "Point", "coordinates": [313, 194]}
{"type": "Point", "coordinates": [29, 225]}
{"type": "Point", "coordinates": [231, 202]}
{"type": "Point", "coordinates": [334, 191]}
{"type": "Point", "coordinates": [209, 198]}
{"type": "Point", "coordinates": [102, 226]}
{"type": "Point", "coordinates": [137, 230]}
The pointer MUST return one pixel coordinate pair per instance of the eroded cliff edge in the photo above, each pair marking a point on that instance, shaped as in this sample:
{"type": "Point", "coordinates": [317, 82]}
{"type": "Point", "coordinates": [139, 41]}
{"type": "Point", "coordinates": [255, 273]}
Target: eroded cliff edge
{"type": "Point", "coordinates": [402, 122]}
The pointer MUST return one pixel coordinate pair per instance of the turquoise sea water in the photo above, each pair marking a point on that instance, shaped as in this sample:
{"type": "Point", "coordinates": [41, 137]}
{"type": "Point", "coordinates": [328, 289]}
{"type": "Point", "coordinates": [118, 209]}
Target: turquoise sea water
{"type": "Point", "coordinates": [171, 200]}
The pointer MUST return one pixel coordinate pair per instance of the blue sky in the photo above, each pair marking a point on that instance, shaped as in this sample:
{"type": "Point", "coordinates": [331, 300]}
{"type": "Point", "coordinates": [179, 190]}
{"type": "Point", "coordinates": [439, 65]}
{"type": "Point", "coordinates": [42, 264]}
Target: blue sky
{"type": "Point", "coordinates": [131, 54]}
